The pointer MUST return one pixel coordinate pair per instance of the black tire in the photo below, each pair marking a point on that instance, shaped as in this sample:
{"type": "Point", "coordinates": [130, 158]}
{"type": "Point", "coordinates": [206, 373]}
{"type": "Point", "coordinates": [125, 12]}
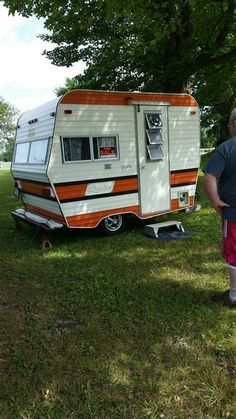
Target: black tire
{"type": "Point", "coordinates": [114, 224]}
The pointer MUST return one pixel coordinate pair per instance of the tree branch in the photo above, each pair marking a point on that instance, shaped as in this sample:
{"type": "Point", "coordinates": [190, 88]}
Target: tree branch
{"type": "Point", "coordinates": [184, 31]}
{"type": "Point", "coordinates": [204, 61]}
{"type": "Point", "coordinates": [228, 19]}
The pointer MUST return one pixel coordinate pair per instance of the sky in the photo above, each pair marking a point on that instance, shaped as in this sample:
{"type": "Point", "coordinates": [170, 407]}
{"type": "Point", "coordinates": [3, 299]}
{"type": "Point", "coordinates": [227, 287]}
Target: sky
{"type": "Point", "coordinates": [27, 78]}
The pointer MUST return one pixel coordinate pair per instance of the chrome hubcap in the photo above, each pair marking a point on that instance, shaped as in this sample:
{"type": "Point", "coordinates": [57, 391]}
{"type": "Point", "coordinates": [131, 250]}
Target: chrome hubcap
{"type": "Point", "coordinates": [113, 223]}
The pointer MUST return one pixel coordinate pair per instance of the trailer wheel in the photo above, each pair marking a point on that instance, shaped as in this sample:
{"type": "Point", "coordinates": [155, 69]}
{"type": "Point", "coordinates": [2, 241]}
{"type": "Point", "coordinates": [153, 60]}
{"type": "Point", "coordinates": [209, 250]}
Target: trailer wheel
{"type": "Point", "coordinates": [114, 224]}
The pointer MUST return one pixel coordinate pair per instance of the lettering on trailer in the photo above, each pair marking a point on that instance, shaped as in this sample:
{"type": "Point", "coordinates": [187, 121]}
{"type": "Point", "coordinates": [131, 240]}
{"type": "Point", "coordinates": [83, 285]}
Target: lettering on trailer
{"type": "Point", "coordinates": [99, 188]}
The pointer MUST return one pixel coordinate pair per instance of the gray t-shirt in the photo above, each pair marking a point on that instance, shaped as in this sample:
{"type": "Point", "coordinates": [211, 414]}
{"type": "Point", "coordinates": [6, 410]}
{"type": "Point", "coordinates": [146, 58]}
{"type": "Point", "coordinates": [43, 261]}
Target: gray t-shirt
{"type": "Point", "coordinates": [222, 165]}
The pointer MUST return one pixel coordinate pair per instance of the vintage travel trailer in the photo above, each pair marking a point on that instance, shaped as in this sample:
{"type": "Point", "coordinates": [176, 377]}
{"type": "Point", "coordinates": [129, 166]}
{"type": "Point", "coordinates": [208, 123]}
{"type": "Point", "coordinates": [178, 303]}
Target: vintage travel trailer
{"type": "Point", "coordinates": [92, 157]}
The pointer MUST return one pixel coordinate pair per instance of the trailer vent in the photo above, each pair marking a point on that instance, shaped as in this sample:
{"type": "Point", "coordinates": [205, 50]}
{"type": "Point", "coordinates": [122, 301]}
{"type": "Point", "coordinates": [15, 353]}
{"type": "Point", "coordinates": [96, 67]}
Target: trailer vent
{"type": "Point", "coordinates": [67, 111]}
{"type": "Point", "coordinates": [154, 136]}
{"type": "Point", "coordinates": [183, 199]}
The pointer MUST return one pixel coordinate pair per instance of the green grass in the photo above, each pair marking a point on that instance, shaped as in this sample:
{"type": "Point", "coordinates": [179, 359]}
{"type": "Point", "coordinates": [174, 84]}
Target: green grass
{"type": "Point", "coordinates": [120, 327]}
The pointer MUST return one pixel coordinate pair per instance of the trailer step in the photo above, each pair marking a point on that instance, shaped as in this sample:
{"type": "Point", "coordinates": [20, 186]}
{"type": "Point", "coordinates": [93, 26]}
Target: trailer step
{"type": "Point", "coordinates": [152, 230]}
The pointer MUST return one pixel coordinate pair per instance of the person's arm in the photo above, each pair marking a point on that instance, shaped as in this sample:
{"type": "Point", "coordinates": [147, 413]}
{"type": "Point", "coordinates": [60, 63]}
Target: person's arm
{"type": "Point", "coordinates": [210, 183]}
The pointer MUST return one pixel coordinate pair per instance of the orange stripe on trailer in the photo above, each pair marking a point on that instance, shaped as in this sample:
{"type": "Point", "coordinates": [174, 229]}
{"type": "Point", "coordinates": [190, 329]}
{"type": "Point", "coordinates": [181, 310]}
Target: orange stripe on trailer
{"type": "Point", "coordinates": [92, 97]}
{"type": "Point", "coordinates": [125, 185]}
{"type": "Point", "coordinates": [71, 191]}
{"type": "Point", "coordinates": [92, 219]}
{"type": "Point", "coordinates": [79, 191]}
{"type": "Point", "coordinates": [34, 188]}
{"type": "Point", "coordinates": [45, 213]}
{"type": "Point", "coordinates": [184, 177]}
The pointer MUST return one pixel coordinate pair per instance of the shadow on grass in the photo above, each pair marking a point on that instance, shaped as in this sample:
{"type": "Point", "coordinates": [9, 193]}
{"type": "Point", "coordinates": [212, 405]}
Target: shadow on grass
{"type": "Point", "coordinates": [136, 340]}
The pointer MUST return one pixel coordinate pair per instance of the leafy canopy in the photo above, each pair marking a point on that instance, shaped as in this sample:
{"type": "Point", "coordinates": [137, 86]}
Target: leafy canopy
{"type": "Point", "coordinates": [137, 44]}
{"type": "Point", "coordinates": [147, 45]}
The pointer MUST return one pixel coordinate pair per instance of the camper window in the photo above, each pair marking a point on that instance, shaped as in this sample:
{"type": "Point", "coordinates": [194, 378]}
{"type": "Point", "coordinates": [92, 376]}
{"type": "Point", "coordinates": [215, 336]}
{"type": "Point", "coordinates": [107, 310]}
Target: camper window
{"type": "Point", "coordinates": [105, 147]}
{"type": "Point", "coordinates": [76, 149]}
{"type": "Point", "coordinates": [89, 148]}
{"type": "Point", "coordinates": [31, 152]}
{"type": "Point", "coordinates": [155, 152]}
{"type": "Point", "coordinates": [22, 151]}
{"type": "Point", "coordinates": [154, 136]}
{"type": "Point", "coordinates": [38, 151]}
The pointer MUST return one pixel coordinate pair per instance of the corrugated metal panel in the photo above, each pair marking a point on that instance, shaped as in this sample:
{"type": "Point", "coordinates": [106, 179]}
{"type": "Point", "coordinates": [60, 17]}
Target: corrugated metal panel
{"type": "Point", "coordinates": [99, 204]}
{"type": "Point", "coordinates": [184, 137]}
{"type": "Point", "coordinates": [43, 128]}
{"type": "Point", "coordinates": [183, 112]}
{"type": "Point", "coordinates": [24, 173]}
{"type": "Point", "coordinates": [94, 120]}
{"type": "Point", "coordinates": [46, 204]}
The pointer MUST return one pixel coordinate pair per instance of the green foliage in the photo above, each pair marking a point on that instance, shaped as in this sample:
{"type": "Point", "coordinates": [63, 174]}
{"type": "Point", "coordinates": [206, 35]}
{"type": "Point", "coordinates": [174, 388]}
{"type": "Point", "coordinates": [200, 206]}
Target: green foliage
{"type": "Point", "coordinates": [145, 45]}
{"type": "Point", "coordinates": [70, 84]}
{"type": "Point", "coordinates": [8, 115]}
{"type": "Point", "coordinates": [217, 90]}
{"type": "Point", "coordinates": [207, 140]}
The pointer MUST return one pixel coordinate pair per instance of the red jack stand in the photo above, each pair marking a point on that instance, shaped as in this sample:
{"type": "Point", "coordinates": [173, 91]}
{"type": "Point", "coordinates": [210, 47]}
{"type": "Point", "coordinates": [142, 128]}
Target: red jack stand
{"type": "Point", "coordinates": [46, 244]}
{"type": "Point", "coordinates": [16, 225]}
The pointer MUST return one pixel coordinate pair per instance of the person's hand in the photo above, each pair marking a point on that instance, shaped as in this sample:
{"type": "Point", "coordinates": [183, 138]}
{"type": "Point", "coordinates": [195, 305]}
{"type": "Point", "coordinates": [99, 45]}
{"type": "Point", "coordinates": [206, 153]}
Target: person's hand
{"type": "Point", "coordinates": [219, 204]}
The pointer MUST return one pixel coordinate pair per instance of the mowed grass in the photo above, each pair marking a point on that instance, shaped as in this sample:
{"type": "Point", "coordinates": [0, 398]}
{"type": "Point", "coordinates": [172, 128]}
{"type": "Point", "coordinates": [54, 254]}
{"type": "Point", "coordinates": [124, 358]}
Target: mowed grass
{"type": "Point", "coordinates": [114, 327]}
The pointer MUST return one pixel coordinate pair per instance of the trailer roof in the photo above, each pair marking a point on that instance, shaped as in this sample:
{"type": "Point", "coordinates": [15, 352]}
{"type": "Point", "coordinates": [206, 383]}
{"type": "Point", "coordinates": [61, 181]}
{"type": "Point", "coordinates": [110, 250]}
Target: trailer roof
{"type": "Point", "coordinates": [95, 97]}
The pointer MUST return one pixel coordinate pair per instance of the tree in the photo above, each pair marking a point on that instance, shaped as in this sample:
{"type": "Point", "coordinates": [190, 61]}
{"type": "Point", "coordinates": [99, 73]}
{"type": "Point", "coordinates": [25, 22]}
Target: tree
{"type": "Point", "coordinates": [220, 98]}
{"type": "Point", "coordinates": [137, 44]}
{"type": "Point", "coordinates": [147, 45]}
{"type": "Point", "coordinates": [70, 84]}
{"type": "Point", "coordinates": [8, 115]}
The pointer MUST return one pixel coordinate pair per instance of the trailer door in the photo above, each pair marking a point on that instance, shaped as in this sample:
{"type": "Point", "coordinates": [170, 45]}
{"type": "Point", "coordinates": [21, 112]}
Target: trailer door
{"type": "Point", "coordinates": [153, 157]}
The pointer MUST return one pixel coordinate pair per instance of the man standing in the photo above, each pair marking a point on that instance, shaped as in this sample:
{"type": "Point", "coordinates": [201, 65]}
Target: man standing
{"type": "Point", "coordinates": [220, 184]}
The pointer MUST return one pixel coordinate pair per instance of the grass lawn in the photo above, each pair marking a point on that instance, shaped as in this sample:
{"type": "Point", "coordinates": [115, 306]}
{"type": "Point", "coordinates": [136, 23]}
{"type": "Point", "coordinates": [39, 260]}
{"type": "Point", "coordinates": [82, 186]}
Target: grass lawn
{"type": "Point", "coordinates": [114, 327]}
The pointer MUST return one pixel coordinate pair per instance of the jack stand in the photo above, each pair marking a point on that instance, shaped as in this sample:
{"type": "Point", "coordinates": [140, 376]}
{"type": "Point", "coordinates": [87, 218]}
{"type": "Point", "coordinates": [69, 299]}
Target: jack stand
{"type": "Point", "coordinates": [46, 244]}
{"type": "Point", "coordinates": [16, 225]}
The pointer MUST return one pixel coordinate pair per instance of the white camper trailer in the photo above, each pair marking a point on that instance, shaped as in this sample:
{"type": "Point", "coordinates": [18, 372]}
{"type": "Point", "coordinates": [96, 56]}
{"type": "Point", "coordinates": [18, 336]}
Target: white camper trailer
{"type": "Point", "coordinates": [91, 157]}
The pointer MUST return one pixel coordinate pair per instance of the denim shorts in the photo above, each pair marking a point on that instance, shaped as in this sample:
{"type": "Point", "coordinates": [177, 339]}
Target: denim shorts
{"type": "Point", "coordinates": [229, 242]}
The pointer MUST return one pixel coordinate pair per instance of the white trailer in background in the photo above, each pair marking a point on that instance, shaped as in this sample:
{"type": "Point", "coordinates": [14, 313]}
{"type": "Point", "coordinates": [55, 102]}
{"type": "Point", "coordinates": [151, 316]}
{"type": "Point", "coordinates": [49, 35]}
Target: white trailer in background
{"type": "Point", "coordinates": [92, 157]}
